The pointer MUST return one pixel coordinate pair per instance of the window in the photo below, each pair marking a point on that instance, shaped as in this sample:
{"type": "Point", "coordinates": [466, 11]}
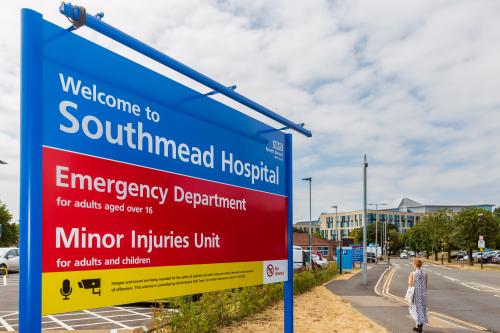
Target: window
{"type": "Point", "coordinates": [11, 254]}
{"type": "Point", "coordinates": [323, 250]}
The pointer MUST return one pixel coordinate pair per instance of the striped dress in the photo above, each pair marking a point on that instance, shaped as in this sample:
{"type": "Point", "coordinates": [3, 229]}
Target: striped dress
{"type": "Point", "coordinates": [418, 308]}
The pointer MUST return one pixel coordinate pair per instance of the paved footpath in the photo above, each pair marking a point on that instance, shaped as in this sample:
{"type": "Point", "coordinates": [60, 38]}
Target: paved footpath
{"type": "Point", "coordinates": [388, 310]}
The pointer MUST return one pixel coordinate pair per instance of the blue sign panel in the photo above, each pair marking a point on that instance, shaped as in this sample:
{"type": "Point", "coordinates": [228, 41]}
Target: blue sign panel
{"type": "Point", "coordinates": [126, 173]}
{"type": "Point", "coordinates": [357, 253]}
{"type": "Point", "coordinates": [346, 254]}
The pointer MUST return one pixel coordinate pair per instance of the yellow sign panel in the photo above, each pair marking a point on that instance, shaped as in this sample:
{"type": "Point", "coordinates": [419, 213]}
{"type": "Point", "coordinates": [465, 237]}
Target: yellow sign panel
{"type": "Point", "coordinates": [77, 290]}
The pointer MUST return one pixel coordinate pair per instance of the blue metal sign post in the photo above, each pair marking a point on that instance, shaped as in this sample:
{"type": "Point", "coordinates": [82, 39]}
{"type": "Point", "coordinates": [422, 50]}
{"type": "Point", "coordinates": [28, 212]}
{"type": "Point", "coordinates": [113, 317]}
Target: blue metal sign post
{"type": "Point", "coordinates": [30, 275]}
{"type": "Point", "coordinates": [87, 109]}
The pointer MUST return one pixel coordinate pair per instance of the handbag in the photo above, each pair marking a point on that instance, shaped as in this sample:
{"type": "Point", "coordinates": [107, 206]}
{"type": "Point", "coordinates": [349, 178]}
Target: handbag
{"type": "Point", "coordinates": [410, 293]}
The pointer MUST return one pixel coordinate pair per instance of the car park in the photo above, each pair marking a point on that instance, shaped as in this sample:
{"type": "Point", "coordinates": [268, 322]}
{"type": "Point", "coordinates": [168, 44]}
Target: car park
{"type": "Point", "coordinates": [9, 259]}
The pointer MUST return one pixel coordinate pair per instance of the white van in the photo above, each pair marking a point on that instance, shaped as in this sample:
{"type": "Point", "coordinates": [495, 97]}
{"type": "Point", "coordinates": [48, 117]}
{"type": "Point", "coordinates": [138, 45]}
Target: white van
{"type": "Point", "coordinates": [298, 258]}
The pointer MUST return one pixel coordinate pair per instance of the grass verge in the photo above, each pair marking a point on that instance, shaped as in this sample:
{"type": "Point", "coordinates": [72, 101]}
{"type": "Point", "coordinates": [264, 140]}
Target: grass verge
{"type": "Point", "coordinates": [215, 309]}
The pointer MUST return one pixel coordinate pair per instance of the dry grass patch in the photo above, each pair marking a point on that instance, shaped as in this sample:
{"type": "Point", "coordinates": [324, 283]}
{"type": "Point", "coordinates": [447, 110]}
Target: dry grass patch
{"type": "Point", "coordinates": [316, 311]}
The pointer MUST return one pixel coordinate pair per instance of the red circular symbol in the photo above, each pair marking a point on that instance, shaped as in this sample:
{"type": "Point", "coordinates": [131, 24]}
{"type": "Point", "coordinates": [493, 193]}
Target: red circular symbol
{"type": "Point", "coordinates": [270, 270]}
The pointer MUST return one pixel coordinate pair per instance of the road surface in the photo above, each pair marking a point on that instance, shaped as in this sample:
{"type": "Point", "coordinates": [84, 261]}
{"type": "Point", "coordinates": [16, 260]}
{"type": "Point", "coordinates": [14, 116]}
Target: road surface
{"type": "Point", "coordinates": [470, 295]}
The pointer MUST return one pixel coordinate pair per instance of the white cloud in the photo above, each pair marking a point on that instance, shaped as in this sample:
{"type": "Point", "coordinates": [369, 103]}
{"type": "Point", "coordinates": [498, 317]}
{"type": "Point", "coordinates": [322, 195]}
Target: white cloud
{"type": "Point", "coordinates": [412, 84]}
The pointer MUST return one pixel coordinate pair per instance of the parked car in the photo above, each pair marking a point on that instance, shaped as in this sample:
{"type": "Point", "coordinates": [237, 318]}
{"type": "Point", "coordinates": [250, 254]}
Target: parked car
{"type": "Point", "coordinates": [496, 259]}
{"type": "Point", "coordinates": [320, 260]}
{"type": "Point", "coordinates": [403, 255]}
{"type": "Point", "coordinates": [487, 256]}
{"type": "Point", "coordinates": [459, 255]}
{"type": "Point", "coordinates": [422, 254]}
{"type": "Point", "coordinates": [9, 259]}
{"type": "Point", "coordinates": [370, 257]}
{"type": "Point", "coordinates": [411, 253]}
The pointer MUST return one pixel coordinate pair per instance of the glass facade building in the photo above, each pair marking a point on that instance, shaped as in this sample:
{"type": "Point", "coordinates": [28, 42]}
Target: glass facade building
{"type": "Point", "coordinates": [404, 216]}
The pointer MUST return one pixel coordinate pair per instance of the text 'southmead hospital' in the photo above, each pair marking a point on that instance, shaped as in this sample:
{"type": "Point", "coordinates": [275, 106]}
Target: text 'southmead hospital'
{"type": "Point", "coordinates": [135, 137]}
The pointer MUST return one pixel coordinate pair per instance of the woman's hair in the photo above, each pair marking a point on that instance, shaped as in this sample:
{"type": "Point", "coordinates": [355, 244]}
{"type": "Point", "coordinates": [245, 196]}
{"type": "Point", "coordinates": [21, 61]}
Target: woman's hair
{"type": "Point", "coordinates": [418, 262]}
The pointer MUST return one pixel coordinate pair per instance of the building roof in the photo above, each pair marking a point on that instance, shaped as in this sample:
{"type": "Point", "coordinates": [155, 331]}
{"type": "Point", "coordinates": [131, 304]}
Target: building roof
{"type": "Point", "coordinates": [306, 223]}
{"type": "Point", "coordinates": [408, 203]}
{"type": "Point", "coordinates": [302, 239]}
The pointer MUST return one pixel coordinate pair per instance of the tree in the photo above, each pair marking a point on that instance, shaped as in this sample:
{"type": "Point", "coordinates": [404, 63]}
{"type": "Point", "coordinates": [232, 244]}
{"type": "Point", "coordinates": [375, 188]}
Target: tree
{"type": "Point", "coordinates": [496, 212]}
{"type": "Point", "coordinates": [439, 228]}
{"type": "Point", "coordinates": [394, 240]}
{"type": "Point", "coordinates": [419, 237]}
{"type": "Point", "coordinates": [9, 231]}
{"type": "Point", "coordinates": [471, 223]}
{"type": "Point", "coordinates": [318, 235]}
{"type": "Point", "coordinates": [357, 234]}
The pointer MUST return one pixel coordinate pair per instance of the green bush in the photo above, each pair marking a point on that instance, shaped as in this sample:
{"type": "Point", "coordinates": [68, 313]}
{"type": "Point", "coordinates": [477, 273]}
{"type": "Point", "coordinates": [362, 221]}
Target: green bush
{"type": "Point", "coordinates": [219, 308]}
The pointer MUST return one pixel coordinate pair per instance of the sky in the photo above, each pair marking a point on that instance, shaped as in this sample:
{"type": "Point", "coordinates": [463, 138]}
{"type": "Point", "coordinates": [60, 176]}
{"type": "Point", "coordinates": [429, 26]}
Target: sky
{"type": "Point", "coordinates": [412, 84]}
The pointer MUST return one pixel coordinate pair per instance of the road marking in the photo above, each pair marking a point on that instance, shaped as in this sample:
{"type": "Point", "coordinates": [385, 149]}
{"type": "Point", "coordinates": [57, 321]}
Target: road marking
{"type": "Point", "coordinates": [104, 318]}
{"type": "Point", "coordinates": [451, 320]}
{"type": "Point", "coordinates": [466, 285]}
{"type": "Point", "coordinates": [450, 278]}
{"type": "Point", "coordinates": [378, 282]}
{"type": "Point", "coordinates": [486, 287]}
{"type": "Point", "coordinates": [6, 325]}
{"type": "Point", "coordinates": [135, 312]}
{"type": "Point", "coordinates": [459, 321]}
{"type": "Point", "coordinates": [60, 323]}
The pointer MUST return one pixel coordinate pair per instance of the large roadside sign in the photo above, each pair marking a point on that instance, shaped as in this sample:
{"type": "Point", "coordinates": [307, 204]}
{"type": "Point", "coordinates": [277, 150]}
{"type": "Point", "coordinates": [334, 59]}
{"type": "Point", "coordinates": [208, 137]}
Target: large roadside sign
{"type": "Point", "coordinates": [148, 189]}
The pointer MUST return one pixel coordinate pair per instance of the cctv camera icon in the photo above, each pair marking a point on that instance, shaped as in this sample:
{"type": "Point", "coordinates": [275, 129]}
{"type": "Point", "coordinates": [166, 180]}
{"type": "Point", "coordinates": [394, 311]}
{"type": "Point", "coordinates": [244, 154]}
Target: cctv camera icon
{"type": "Point", "coordinates": [91, 284]}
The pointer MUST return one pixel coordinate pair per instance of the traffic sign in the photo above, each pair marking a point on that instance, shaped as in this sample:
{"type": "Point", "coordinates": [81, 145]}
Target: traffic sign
{"type": "Point", "coordinates": [481, 244]}
{"type": "Point", "coordinates": [481, 237]}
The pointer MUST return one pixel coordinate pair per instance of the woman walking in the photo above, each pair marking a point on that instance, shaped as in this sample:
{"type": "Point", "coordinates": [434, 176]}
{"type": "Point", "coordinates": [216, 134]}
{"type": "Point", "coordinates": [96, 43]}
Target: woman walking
{"type": "Point", "coordinates": [418, 305]}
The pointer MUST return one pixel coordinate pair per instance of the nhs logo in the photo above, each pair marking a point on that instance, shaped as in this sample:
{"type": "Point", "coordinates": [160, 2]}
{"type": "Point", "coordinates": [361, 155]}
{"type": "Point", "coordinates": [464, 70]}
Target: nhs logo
{"type": "Point", "coordinates": [277, 145]}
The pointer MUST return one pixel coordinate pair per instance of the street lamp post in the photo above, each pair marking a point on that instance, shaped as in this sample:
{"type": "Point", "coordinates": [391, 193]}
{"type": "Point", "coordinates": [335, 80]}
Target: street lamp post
{"type": "Point", "coordinates": [309, 179]}
{"type": "Point", "coordinates": [479, 220]}
{"type": "Point", "coordinates": [376, 227]}
{"type": "Point", "coordinates": [335, 222]}
{"type": "Point", "coordinates": [340, 243]}
{"type": "Point", "coordinates": [365, 265]}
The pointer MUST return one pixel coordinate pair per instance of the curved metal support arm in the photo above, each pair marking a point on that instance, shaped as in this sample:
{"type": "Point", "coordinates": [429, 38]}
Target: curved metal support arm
{"type": "Point", "coordinates": [98, 25]}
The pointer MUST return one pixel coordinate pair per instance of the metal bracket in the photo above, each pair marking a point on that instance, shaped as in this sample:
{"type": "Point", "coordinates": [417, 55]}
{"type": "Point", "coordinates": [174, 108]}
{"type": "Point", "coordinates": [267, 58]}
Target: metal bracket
{"type": "Point", "coordinates": [213, 92]}
{"type": "Point", "coordinates": [282, 128]}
